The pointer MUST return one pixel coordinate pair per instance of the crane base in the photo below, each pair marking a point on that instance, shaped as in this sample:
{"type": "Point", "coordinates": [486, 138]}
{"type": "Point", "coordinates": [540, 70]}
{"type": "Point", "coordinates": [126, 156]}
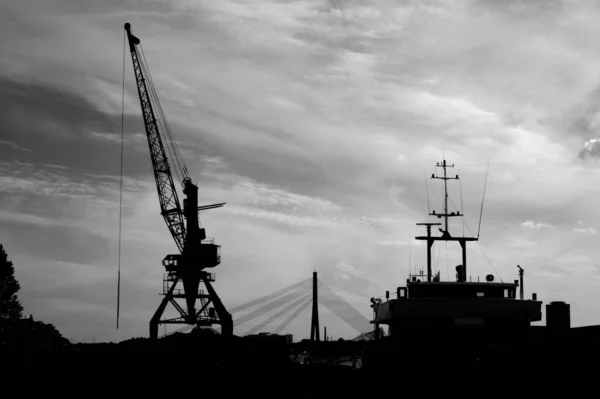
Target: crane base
{"type": "Point", "coordinates": [203, 317]}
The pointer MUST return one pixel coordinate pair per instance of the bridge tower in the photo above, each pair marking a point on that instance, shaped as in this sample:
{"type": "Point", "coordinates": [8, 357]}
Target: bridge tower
{"type": "Point", "coordinates": [314, 324]}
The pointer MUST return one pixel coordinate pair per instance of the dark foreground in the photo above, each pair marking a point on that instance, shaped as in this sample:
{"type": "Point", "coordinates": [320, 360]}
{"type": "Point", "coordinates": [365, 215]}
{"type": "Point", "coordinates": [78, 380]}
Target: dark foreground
{"type": "Point", "coordinates": [228, 367]}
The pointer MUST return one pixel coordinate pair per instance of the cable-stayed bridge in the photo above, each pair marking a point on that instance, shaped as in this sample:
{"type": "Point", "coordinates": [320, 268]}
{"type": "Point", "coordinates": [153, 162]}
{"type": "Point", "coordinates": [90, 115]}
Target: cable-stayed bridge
{"type": "Point", "coordinates": [277, 310]}
{"type": "Point", "coordinates": [288, 303]}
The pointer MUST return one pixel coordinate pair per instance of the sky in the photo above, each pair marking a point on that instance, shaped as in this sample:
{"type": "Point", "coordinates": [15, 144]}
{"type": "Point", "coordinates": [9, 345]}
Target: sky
{"type": "Point", "coordinates": [318, 123]}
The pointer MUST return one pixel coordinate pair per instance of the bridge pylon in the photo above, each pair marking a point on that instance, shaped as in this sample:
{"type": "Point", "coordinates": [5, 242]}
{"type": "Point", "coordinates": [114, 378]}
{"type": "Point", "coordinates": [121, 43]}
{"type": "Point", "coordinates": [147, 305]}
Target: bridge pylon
{"type": "Point", "coordinates": [314, 323]}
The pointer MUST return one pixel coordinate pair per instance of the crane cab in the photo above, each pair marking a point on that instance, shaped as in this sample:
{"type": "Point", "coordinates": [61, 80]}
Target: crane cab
{"type": "Point", "coordinates": [210, 253]}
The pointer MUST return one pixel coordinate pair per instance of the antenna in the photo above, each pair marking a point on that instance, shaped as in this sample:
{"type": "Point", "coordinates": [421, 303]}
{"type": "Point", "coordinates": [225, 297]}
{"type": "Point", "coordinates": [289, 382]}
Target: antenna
{"type": "Point", "coordinates": [431, 240]}
{"type": "Point", "coordinates": [462, 205]}
{"type": "Point", "coordinates": [483, 198]}
{"type": "Point", "coordinates": [427, 191]}
{"type": "Point", "coordinates": [409, 256]}
{"type": "Point", "coordinates": [445, 178]}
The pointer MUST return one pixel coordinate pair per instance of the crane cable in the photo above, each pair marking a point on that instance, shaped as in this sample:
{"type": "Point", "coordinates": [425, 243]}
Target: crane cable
{"type": "Point", "coordinates": [171, 143]}
{"type": "Point", "coordinates": [121, 187]}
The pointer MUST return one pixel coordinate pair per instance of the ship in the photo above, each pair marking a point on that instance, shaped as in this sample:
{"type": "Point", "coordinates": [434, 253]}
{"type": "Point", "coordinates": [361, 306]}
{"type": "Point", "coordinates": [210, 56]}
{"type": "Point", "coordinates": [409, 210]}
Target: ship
{"type": "Point", "coordinates": [464, 313]}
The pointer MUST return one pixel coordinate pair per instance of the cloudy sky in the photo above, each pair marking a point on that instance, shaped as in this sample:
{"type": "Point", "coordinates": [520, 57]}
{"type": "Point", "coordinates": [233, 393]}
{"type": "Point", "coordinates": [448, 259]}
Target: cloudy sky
{"type": "Point", "coordinates": [316, 122]}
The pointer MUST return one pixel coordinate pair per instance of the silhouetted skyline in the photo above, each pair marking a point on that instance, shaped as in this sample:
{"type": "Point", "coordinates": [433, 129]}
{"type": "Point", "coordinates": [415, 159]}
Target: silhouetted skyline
{"type": "Point", "coordinates": [317, 122]}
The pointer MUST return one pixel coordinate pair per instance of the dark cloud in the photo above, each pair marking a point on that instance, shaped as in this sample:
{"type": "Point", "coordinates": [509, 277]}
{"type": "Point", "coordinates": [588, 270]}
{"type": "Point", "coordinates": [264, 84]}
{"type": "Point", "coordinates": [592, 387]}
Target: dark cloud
{"type": "Point", "coordinates": [299, 174]}
{"type": "Point", "coordinates": [58, 126]}
{"type": "Point", "coordinates": [591, 149]}
{"type": "Point", "coordinates": [45, 109]}
{"type": "Point", "coordinates": [54, 193]}
{"type": "Point", "coordinates": [91, 6]}
{"type": "Point", "coordinates": [581, 118]}
{"type": "Point", "coordinates": [57, 243]}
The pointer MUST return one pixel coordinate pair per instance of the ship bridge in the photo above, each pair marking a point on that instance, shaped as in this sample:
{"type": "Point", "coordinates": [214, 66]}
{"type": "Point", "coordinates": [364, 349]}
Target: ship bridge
{"type": "Point", "coordinates": [446, 289]}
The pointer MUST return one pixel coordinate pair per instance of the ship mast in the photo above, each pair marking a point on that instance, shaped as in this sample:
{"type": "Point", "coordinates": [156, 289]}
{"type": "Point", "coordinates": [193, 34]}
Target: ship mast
{"type": "Point", "coordinates": [445, 178]}
{"type": "Point", "coordinates": [462, 269]}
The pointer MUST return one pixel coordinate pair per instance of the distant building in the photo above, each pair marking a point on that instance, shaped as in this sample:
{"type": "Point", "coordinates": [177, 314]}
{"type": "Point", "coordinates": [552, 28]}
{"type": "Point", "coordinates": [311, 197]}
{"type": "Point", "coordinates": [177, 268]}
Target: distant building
{"type": "Point", "coordinates": [271, 338]}
{"type": "Point", "coordinates": [267, 348]}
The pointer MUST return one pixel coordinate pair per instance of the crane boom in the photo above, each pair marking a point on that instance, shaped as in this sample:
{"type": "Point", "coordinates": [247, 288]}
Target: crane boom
{"type": "Point", "coordinates": [167, 195]}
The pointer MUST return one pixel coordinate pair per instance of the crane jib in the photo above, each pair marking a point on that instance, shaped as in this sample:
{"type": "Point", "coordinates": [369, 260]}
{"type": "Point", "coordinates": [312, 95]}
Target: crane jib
{"type": "Point", "coordinates": [168, 198]}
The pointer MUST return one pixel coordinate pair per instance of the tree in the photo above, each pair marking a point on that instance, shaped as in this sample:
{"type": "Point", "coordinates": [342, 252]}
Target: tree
{"type": "Point", "coordinates": [10, 307]}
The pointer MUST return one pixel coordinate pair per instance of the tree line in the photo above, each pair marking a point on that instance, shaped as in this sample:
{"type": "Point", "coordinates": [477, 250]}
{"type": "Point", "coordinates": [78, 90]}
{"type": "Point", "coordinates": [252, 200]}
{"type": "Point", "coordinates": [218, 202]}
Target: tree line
{"type": "Point", "coordinates": [21, 336]}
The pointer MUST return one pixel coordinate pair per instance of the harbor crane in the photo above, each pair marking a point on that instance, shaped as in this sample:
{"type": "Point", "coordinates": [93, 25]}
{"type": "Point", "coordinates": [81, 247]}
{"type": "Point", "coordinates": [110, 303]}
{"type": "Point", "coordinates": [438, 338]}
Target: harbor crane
{"type": "Point", "coordinates": [197, 252]}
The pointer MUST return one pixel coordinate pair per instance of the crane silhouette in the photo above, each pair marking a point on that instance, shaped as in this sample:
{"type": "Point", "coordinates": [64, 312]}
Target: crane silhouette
{"type": "Point", "coordinates": [197, 252]}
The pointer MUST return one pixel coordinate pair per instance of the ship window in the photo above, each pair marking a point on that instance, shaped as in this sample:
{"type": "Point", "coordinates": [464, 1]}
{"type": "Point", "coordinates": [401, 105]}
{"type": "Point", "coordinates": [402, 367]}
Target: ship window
{"type": "Point", "coordinates": [506, 293]}
{"type": "Point", "coordinates": [480, 294]}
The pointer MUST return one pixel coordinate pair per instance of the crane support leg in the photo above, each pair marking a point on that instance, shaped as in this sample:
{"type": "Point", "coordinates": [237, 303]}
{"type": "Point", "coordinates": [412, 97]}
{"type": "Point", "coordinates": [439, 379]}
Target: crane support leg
{"type": "Point", "coordinates": [225, 318]}
{"type": "Point", "coordinates": [155, 321]}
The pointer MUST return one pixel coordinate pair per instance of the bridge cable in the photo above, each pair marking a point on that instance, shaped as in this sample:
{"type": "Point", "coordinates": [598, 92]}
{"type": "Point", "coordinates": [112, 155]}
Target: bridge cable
{"type": "Point", "coordinates": [355, 319]}
{"type": "Point", "coordinates": [293, 316]}
{"type": "Point", "coordinates": [273, 305]}
{"type": "Point", "coordinates": [270, 296]}
{"type": "Point", "coordinates": [278, 314]}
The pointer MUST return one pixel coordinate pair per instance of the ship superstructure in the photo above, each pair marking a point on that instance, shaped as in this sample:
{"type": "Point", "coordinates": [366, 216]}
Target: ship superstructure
{"type": "Point", "coordinates": [459, 310]}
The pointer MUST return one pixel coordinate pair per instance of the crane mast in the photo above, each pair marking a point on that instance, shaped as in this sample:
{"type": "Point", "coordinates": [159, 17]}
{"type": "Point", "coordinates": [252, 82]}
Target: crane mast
{"type": "Point", "coordinates": [197, 252]}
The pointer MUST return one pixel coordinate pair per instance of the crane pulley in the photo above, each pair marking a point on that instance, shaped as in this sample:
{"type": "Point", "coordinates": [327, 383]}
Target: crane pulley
{"type": "Point", "coordinates": [196, 251]}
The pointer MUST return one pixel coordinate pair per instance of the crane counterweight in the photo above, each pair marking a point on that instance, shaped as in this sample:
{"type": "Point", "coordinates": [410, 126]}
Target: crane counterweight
{"type": "Point", "coordinates": [197, 252]}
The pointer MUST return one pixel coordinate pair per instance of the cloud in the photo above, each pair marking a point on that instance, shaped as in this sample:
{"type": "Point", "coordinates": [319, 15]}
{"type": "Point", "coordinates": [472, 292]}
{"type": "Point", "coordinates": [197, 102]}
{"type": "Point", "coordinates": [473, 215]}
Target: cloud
{"type": "Point", "coordinates": [589, 230]}
{"type": "Point", "coordinates": [137, 138]}
{"type": "Point", "coordinates": [400, 243]}
{"type": "Point", "coordinates": [279, 217]}
{"type": "Point", "coordinates": [264, 195]}
{"type": "Point", "coordinates": [392, 243]}
{"type": "Point", "coordinates": [591, 149]}
{"type": "Point", "coordinates": [14, 146]}
{"type": "Point", "coordinates": [533, 225]}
